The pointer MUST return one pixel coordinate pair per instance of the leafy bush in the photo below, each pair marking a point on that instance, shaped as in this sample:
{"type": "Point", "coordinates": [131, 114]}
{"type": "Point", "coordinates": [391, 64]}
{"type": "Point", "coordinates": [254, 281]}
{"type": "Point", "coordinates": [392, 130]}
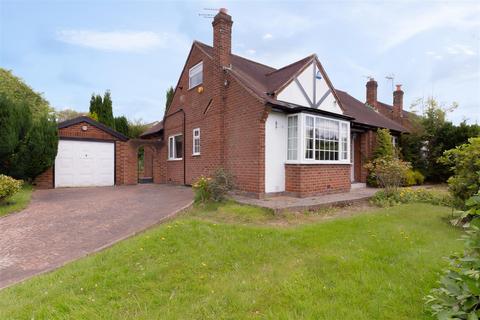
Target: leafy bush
{"type": "Point", "coordinates": [389, 172]}
{"type": "Point", "coordinates": [458, 296]}
{"type": "Point", "coordinates": [408, 195]}
{"type": "Point", "coordinates": [8, 187]}
{"type": "Point", "coordinates": [464, 161]}
{"type": "Point", "coordinates": [413, 177]}
{"type": "Point", "coordinates": [384, 146]}
{"type": "Point", "coordinates": [472, 212]}
{"type": "Point", "coordinates": [419, 177]}
{"type": "Point", "coordinates": [213, 188]}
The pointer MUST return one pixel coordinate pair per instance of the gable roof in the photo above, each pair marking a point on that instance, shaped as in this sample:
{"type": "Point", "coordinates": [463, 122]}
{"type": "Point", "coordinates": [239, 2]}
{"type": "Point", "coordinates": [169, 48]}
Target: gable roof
{"type": "Point", "coordinates": [90, 121]}
{"type": "Point", "coordinates": [264, 81]}
{"type": "Point", "coordinates": [156, 128]}
{"type": "Point", "coordinates": [366, 115]}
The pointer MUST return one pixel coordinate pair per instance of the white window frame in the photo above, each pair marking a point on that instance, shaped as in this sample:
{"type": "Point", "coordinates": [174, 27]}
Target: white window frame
{"type": "Point", "coordinates": [294, 151]}
{"type": "Point", "coordinates": [302, 143]}
{"type": "Point", "coordinates": [195, 70]}
{"type": "Point", "coordinates": [172, 147]}
{"type": "Point", "coordinates": [196, 138]}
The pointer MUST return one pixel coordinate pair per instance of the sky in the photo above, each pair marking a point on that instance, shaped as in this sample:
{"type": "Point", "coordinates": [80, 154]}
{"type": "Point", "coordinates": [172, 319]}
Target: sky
{"type": "Point", "coordinates": [136, 49]}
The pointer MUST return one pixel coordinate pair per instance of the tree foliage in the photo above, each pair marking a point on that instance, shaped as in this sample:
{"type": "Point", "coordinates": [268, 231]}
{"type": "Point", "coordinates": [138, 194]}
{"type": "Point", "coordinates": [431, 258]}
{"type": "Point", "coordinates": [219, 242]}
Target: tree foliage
{"type": "Point", "coordinates": [432, 137]}
{"type": "Point", "coordinates": [18, 92]}
{"type": "Point", "coordinates": [67, 114]}
{"type": "Point", "coordinates": [28, 132]}
{"type": "Point", "coordinates": [464, 162]}
{"type": "Point", "coordinates": [136, 128]}
{"type": "Point", "coordinates": [384, 146]}
{"type": "Point", "coordinates": [121, 125]}
{"type": "Point", "coordinates": [169, 97]}
{"type": "Point", "coordinates": [102, 108]}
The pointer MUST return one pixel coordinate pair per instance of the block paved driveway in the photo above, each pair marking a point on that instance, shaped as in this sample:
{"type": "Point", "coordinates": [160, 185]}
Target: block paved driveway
{"type": "Point", "coordinates": [61, 225]}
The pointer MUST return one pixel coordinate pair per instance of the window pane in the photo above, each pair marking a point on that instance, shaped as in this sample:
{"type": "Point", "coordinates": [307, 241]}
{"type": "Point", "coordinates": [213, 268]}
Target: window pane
{"type": "Point", "coordinates": [292, 138]}
{"type": "Point", "coordinates": [178, 147]}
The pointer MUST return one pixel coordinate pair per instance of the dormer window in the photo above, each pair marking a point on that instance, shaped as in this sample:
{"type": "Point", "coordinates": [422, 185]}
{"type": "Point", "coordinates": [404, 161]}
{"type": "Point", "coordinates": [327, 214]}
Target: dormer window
{"type": "Point", "coordinates": [195, 75]}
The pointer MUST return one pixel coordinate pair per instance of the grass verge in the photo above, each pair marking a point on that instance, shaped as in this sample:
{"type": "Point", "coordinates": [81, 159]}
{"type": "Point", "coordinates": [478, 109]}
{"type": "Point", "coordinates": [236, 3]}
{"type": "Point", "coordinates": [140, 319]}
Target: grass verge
{"type": "Point", "coordinates": [17, 202]}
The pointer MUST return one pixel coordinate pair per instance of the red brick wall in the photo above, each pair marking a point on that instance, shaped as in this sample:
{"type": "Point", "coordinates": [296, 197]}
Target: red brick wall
{"type": "Point", "coordinates": [310, 180]}
{"type": "Point", "coordinates": [45, 180]}
{"type": "Point", "coordinates": [92, 132]}
{"type": "Point", "coordinates": [367, 146]}
{"type": "Point", "coordinates": [200, 112]}
{"type": "Point", "coordinates": [245, 120]}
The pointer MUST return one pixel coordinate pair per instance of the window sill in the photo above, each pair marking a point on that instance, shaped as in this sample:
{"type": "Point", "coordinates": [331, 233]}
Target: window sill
{"type": "Point", "coordinates": [196, 154]}
{"type": "Point", "coordinates": [179, 159]}
{"type": "Point", "coordinates": [318, 162]}
{"type": "Point", "coordinates": [192, 88]}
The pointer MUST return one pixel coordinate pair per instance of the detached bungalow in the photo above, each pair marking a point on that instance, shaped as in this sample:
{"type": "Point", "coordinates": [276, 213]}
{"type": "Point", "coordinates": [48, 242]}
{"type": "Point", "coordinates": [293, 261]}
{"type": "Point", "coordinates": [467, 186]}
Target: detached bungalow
{"type": "Point", "coordinates": [284, 130]}
{"type": "Point", "coordinates": [276, 131]}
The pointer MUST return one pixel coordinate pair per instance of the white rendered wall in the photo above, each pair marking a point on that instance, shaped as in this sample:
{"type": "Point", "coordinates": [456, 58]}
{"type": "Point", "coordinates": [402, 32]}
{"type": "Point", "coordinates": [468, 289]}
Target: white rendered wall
{"type": "Point", "coordinates": [275, 152]}
{"type": "Point", "coordinates": [293, 93]}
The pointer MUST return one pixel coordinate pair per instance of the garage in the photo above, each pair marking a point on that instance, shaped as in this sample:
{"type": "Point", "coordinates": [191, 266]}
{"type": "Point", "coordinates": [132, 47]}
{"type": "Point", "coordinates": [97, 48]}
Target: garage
{"type": "Point", "coordinates": [89, 154]}
{"type": "Point", "coordinates": [85, 163]}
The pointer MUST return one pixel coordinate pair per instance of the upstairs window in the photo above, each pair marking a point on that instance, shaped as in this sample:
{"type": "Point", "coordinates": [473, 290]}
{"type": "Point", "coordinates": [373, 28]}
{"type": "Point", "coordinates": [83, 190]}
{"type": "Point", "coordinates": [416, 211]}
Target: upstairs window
{"type": "Point", "coordinates": [196, 141]}
{"type": "Point", "coordinates": [175, 147]}
{"type": "Point", "coordinates": [195, 75]}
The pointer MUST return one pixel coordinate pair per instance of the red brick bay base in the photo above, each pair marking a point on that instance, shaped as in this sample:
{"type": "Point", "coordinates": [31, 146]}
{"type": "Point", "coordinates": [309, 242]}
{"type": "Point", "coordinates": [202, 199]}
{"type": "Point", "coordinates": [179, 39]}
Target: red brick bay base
{"type": "Point", "coordinates": [305, 180]}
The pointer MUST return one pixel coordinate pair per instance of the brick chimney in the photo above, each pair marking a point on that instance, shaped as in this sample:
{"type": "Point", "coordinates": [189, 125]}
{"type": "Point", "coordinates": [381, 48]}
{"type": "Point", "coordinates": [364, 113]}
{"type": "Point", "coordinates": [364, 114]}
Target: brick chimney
{"type": "Point", "coordinates": [222, 38]}
{"type": "Point", "coordinates": [397, 110]}
{"type": "Point", "coordinates": [372, 93]}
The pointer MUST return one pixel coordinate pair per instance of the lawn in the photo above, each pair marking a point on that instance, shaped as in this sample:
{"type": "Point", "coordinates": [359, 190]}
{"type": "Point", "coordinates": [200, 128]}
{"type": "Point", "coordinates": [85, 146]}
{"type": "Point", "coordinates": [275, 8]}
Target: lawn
{"type": "Point", "coordinates": [17, 202]}
{"type": "Point", "coordinates": [230, 262]}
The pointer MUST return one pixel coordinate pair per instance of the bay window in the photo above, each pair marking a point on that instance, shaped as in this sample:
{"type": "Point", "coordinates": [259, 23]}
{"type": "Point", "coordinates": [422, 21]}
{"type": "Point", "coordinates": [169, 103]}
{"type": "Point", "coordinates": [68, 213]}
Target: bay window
{"type": "Point", "coordinates": [322, 140]}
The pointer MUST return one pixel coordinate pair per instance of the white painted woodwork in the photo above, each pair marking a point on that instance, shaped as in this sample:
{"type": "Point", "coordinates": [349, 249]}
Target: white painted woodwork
{"type": "Point", "coordinates": [275, 152]}
{"type": "Point", "coordinates": [84, 163]}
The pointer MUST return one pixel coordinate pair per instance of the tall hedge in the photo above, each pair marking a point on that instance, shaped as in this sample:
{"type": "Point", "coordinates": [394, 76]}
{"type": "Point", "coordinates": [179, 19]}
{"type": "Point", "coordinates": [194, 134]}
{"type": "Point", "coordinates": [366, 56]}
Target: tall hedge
{"type": "Point", "coordinates": [28, 130]}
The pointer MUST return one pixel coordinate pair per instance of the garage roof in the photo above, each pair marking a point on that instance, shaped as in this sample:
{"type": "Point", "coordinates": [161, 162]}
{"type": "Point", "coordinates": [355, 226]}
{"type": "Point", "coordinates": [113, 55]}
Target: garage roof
{"type": "Point", "coordinates": [94, 123]}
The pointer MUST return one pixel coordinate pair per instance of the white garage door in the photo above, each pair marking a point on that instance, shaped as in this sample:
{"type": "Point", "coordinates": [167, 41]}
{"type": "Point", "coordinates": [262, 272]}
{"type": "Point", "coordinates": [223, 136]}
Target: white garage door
{"type": "Point", "coordinates": [84, 163]}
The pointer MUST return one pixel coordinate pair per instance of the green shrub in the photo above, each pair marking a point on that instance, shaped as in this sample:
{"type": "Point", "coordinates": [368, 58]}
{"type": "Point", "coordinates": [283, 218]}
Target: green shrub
{"type": "Point", "coordinates": [458, 296]}
{"type": "Point", "coordinates": [389, 172]}
{"type": "Point", "coordinates": [419, 177]}
{"type": "Point", "coordinates": [384, 146]}
{"type": "Point", "coordinates": [464, 161]}
{"type": "Point", "coordinates": [410, 178]}
{"type": "Point", "coordinates": [213, 188]}
{"type": "Point", "coordinates": [408, 195]}
{"type": "Point", "coordinates": [8, 187]}
{"type": "Point", "coordinates": [473, 211]}
{"type": "Point", "coordinates": [413, 177]}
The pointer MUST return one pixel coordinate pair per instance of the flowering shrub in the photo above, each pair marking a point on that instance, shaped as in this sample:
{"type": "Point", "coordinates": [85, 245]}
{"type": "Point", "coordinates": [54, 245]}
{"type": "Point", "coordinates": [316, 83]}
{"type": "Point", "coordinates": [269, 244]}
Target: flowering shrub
{"type": "Point", "coordinates": [458, 296]}
{"type": "Point", "coordinates": [213, 188]}
{"type": "Point", "coordinates": [389, 172]}
{"type": "Point", "coordinates": [8, 187]}
{"type": "Point", "coordinates": [407, 195]}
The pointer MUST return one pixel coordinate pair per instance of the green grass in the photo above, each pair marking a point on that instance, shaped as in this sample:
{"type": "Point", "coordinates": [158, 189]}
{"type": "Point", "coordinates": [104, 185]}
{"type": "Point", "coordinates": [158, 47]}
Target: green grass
{"type": "Point", "coordinates": [17, 202]}
{"type": "Point", "coordinates": [227, 262]}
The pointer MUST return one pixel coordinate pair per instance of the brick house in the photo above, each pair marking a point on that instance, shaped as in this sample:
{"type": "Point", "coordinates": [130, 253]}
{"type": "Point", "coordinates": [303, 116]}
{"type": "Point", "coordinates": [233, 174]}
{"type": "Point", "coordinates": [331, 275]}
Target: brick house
{"type": "Point", "coordinates": [276, 131]}
{"type": "Point", "coordinates": [284, 130]}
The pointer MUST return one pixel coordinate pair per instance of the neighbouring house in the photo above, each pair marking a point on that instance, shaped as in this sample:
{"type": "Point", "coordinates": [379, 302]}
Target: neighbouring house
{"type": "Point", "coordinates": [284, 130]}
{"type": "Point", "coordinates": [276, 131]}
